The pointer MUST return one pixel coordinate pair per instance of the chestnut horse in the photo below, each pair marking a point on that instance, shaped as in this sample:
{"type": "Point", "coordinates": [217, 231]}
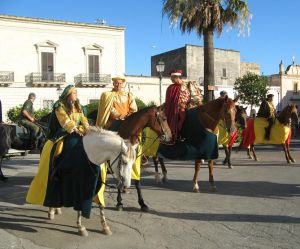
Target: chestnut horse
{"type": "Point", "coordinates": [197, 147]}
{"type": "Point", "coordinates": [131, 129]}
{"type": "Point", "coordinates": [240, 119]}
{"type": "Point", "coordinates": [279, 136]}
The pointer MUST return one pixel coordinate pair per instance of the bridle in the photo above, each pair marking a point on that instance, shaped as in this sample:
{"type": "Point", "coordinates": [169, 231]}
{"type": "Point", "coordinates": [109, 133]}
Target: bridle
{"type": "Point", "coordinates": [158, 119]}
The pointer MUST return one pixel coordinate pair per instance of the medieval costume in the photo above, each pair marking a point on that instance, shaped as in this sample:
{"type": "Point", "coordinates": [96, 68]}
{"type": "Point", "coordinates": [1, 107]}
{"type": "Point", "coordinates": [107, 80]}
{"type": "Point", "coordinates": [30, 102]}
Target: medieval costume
{"type": "Point", "coordinates": [179, 97]}
{"type": "Point", "coordinates": [65, 176]}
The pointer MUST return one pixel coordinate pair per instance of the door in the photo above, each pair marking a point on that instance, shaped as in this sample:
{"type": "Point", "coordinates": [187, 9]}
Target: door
{"type": "Point", "coordinates": [93, 68]}
{"type": "Point", "coordinates": [47, 67]}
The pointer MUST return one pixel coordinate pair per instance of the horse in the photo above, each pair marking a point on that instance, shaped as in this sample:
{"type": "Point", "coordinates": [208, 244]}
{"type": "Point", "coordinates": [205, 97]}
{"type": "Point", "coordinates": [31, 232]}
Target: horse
{"type": "Point", "coordinates": [131, 128]}
{"type": "Point", "coordinates": [200, 141]}
{"type": "Point", "coordinates": [280, 132]}
{"type": "Point", "coordinates": [226, 141]}
{"type": "Point", "coordinates": [99, 146]}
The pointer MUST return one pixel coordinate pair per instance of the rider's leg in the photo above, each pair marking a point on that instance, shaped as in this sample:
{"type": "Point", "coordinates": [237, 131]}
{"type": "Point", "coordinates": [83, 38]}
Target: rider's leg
{"type": "Point", "coordinates": [268, 129]}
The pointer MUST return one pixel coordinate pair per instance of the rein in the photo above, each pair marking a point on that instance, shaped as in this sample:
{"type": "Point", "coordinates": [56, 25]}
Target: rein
{"type": "Point", "coordinates": [158, 119]}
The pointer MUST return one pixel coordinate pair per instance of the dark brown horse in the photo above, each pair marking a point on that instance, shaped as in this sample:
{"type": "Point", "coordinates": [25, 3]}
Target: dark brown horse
{"type": "Point", "coordinates": [289, 113]}
{"type": "Point", "coordinates": [132, 127]}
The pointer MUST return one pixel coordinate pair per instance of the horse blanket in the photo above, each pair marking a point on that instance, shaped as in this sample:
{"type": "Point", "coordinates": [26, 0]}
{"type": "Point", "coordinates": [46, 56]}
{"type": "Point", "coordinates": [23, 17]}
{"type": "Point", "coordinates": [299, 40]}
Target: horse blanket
{"type": "Point", "coordinates": [255, 132]}
{"type": "Point", "coordinates": [66, 181]}
{"type": "Point", "coordinates": [199, 143]}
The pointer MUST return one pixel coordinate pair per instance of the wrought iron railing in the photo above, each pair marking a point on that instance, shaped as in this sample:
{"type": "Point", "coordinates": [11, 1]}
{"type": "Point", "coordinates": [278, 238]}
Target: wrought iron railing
{"type": "Point", "coordinates": [45, 77]}
{"type": "Point", "coordinates": [92, 78]}
{"type": "Point", "coordinates": [6, 76]}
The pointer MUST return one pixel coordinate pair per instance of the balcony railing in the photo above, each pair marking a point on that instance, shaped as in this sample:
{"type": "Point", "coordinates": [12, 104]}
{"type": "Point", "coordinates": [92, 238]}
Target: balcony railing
{"type": "Point", "coordinates": [6, 77]}
{"type": "Point", "coordinates": [45, 78]}
{"type": "Point", "coordinates": [92, 79]}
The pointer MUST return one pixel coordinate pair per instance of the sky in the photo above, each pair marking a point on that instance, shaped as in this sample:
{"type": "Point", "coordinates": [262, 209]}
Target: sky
{"type": "Point", "coordinates": [274, 31]}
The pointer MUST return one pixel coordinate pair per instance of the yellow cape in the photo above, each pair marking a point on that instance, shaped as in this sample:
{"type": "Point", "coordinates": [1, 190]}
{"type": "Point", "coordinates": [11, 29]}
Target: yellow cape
{"type": "Point", "coordinates": [38, 187]}
{"type": "Point", "coordinates": [150, 146]}
{"type": "Point", "coordinates": [105, 104]}
{"type": "Point", "coordinates": [223, 136]}
{"type": "Point", "coordinates": [279, 132]}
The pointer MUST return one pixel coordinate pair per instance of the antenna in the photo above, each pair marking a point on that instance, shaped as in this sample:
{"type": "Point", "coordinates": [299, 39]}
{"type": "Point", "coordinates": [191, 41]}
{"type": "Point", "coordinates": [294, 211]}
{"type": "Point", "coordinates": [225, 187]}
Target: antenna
{"type": "Point", "coordinates": [100, 21]}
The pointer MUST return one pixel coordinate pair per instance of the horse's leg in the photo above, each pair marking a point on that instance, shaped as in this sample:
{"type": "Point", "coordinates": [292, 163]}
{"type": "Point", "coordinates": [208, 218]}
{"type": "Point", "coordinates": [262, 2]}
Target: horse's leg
{"type": "Point", "coordinates": [119, 200]}
{"type": "Point", "coordinates": [225, 161]}
{"type": "Point", "coordinates": [81, 229]}
{"type": "Point", "coordinates": [229, 158]}
{"type": "Point", "coordinates": [288, 153]}
{"type": "Point", "coordinates": [157, 174]}
{"type": "Point", "coordinates": [51, 213]}
{"type": "Point", "coordinates": [2, 177]}
{"type": "Point", "coordinates": [195, 178]}
{"type": "Point", "coordinates": [248, 154]}
{"type": "Point", "coordinates": [144, 207]}
{"type": "Point", "coordinates": [253, 152]}
{"type": "Point", "coordinates": [106, 230]}
{"type": "Point", "coordinates": [212, 186]}
{"type": "Point", "coordinates": [164, 169]}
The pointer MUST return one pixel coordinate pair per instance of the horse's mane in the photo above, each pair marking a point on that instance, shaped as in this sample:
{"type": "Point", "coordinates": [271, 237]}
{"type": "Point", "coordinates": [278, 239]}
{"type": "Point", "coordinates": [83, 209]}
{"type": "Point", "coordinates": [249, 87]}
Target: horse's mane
{"type": "Point", "coordinates": [139, 113]}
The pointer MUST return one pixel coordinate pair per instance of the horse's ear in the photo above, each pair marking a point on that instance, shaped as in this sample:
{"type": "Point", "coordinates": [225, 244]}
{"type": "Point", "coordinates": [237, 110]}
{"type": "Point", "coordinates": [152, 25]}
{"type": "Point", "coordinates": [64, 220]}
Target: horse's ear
{"type": "Point", "coordinates": [162, 107]}
{"type": "Point", "coordinates": [124, 147]}
{"type": "Point", "coordinates": [236, 99]}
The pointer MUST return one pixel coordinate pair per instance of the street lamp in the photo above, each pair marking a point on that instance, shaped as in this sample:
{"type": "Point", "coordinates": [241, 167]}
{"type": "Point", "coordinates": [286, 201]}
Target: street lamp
{"type": "Point", "coordinates": [160, 68]}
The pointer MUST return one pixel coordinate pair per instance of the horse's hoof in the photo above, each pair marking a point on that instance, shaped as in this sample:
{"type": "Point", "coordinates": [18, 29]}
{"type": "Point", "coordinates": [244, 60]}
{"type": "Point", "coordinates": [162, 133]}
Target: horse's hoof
{"type": "Point", "coordinates": [230, 166]}
{"type": "Point", "coordinates": [293, 160]}
{"type": "Point", "coordinates": [256, 159]}
{"type": "Point", "coordinates": [120, 207]}
{"type": "Point", "coordinates": [196, 190]}
{"type": "Point", "coordinates": [106, 231]}
{"type": "Point", "coordinates": [83, 232]}
{"type": "Point", "coordinates": [145, 208]}
{"type": "Point", "coordinates": [126, 191]}
{"type": "Point", "coordinates": [250, 157]}
{"type": "Point", "coordinates": [213, 188]}
{"type": "Point", "coordinates": [224, 162]}
{"type": "Point", "coordinates": [157, 178]}
{"type": "Point", "coordinates": [58, 211]}
{"type": "Point", "coordinates": [3, 178]}
{"type": "Point", "coordinates": [51, 215]}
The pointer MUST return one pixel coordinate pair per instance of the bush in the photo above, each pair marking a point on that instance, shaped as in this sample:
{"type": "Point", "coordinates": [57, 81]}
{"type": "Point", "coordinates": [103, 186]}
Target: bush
{"type": "Point", "coordinates": [13, 114]}
{"type": "Point", "coordinates": [140, 104]}
{"type": "Point", "coordinates": [89, 108]}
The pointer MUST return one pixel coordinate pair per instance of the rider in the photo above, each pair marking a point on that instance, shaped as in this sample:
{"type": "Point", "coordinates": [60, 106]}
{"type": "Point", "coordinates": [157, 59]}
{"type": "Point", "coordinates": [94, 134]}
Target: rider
{"type": "Point", "coordinates": [62, 151]}
{"type": "Point", "coordinates": [27, 120]}
{"type": "Point", "coordinates": [178, 96]}
{"type": "Point", "coordinates": [267, 110]}
{"type": "Point", "coordinates": [223, 94]}
{"type": "Point", "coordinates": [115, 105]}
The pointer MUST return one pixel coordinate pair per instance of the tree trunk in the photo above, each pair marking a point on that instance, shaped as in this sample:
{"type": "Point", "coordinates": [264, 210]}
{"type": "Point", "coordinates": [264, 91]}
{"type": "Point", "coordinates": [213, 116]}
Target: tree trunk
{"type": "Point", "coordinates": [209, 61]}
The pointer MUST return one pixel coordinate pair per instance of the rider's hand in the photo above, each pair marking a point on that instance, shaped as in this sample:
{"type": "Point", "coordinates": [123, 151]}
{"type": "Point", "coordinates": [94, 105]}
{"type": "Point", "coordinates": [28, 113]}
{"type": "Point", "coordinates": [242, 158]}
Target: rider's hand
{"type": "Point", "coordinates": [122, 117]}
{"type": "Point", "coordinates": [77, 131]}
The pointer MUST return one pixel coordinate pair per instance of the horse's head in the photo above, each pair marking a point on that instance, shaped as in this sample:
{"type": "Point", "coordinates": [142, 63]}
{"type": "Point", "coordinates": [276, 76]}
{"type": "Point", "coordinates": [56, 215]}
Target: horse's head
{"type": "Point", "coordinates": [289, 114]}
{"type": "Point", "coordinates": [294, 113]}
{"type": "Point", "coordinates": [160, 125]}
{"type": "Point", "coordinates": [122, 169]}
{"type": "Point", "coordinates": [241, 116]}
{"type": "Point", "coordinates": [228, 114]}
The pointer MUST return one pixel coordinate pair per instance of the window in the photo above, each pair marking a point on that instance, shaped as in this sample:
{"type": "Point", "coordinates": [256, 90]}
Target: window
{"type": "Point", "coordinates": [48, 104]}
{"type": "Point", "coordinates": [224, 73]}
{"type": "Point", "coordinates": [93, 68]}
{"type": "Point", "coordinates": [295, 87]}
{"type": "Point", "coordinates": [47, 66]}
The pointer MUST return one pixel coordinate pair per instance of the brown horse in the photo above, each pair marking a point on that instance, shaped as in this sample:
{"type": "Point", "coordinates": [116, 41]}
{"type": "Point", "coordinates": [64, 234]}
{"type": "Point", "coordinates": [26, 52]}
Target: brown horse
{"type": "Point", "coordinates": [201, 143]}
{"type": "Point", "coordinates": [289, 113]}
{"type": "Point", "coordinates": [240, 119]}
{"type": "Point", "coordinates": [132, 127]}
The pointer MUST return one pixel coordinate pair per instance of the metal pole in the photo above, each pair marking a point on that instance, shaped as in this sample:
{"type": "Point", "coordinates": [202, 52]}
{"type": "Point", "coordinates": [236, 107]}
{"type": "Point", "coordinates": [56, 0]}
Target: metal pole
{"type": "Point", "coordinates": [160, 89]}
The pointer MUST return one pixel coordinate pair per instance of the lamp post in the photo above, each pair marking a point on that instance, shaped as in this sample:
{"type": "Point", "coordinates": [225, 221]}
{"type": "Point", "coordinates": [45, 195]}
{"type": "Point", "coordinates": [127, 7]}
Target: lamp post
{"type": "Point", "coordinates": [160, 68]}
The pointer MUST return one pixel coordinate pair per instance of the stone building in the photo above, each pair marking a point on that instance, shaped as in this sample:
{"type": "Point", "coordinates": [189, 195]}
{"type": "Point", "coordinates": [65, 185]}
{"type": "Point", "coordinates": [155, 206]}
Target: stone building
{"type": "Point", "coordinates": [43, 56]}
{"type": "Point", "coordinates": [228, 66]}
{"type": "Point", "coordinates": [287, 81]}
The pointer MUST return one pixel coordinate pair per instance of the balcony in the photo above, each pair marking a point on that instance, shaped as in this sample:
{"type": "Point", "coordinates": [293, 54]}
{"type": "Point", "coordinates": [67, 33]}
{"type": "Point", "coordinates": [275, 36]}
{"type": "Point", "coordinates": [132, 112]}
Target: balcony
{"type": "Point", "coordinates": [92, 80]}
{"type": "Point", "coordinates": [45, 79]}
{"type": "Point", "coordinates": [6, 78]}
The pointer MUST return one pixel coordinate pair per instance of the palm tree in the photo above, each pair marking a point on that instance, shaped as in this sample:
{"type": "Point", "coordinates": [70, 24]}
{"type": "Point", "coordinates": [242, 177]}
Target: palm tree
{"type": "Point", "coordinates": [207, 17]}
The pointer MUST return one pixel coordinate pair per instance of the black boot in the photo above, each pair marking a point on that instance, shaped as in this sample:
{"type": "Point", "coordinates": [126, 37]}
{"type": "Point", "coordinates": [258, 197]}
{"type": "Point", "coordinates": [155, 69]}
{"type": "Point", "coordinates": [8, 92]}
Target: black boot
{"type": "Point", "coordinates": [267, 133]}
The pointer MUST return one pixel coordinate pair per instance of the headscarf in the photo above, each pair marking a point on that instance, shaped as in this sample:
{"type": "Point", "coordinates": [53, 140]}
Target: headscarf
{"type": "Point", "coordinates": [63, 97]}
